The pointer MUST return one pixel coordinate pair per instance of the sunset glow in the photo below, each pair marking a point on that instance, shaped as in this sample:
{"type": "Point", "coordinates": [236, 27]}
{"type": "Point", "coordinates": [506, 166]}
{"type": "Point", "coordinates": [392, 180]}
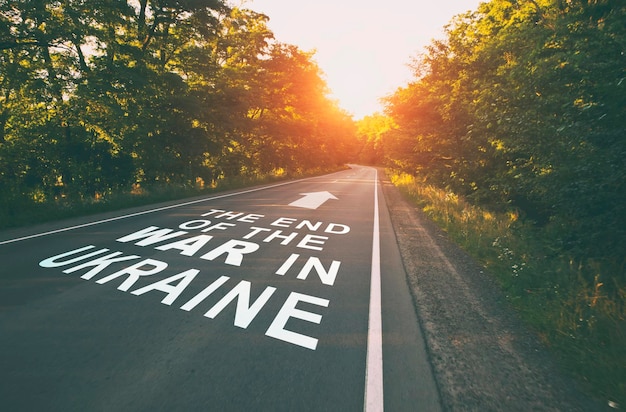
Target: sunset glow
{"type": "Point", "coordinates": [362, 47]}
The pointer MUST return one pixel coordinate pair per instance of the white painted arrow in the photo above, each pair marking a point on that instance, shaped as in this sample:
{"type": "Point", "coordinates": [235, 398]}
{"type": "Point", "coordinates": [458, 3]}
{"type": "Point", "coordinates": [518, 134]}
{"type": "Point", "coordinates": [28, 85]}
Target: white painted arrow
{"type": "Point", "coordinates": [312, 200]}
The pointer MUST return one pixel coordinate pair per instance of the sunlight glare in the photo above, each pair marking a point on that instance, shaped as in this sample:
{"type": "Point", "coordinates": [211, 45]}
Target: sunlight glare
{"type": "Point", "coordinates": [363, 48]}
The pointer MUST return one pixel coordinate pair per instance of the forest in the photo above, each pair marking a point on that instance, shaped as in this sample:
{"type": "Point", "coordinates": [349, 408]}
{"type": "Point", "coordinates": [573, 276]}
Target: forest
{"type": "Point", "coordinates": [105, 96]}
{"type": "Point", "coordinates": [520, 112]}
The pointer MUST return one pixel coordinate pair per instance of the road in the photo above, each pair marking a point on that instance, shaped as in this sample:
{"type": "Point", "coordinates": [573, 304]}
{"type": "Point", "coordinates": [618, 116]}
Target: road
{"type": "Point", "coordinates": [288, 296]}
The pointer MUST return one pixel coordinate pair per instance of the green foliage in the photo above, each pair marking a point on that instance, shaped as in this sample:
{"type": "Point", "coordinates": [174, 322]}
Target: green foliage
{"type": "Point", "coordinates": [583, 321]}
{"type": "Point", "coordinates": [96, 96]}
{"type": "Point", "coordinates": [520, 110]}
{"type": "Point", "coordinates": [371, 136]}
{"type": "Point", "coordinates": [15, 213]}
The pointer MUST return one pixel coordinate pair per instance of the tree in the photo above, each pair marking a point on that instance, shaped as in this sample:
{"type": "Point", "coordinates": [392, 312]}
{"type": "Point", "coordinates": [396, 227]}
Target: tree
{"type": "Point", "coordinates": [96, 95]}
{"type": "Point", "coordinates": [520, 106]}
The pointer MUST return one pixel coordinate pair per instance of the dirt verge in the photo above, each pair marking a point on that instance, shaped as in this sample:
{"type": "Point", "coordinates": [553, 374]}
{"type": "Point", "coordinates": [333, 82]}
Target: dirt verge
{"type": "Point", "coordinates": [483, 358]}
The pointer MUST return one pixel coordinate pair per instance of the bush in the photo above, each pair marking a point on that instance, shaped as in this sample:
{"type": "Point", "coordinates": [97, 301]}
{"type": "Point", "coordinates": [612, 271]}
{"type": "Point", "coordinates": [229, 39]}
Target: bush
{"type": "Point", "coordinates": [576, 306]}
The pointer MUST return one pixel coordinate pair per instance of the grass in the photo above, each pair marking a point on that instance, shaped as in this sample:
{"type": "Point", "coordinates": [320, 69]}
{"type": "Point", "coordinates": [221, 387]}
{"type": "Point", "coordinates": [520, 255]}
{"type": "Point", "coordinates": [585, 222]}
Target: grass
{"type": "Point", "coordinates": [577, 308]}
{"type": "Point", "coordinates": [34, 209]}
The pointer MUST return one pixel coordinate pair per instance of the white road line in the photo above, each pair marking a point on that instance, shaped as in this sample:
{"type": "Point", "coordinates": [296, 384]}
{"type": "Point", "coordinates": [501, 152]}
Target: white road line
{"type": "Point", "coordinates": [374, 368]}
{"type": "Point", "coordinates": [65, 229]}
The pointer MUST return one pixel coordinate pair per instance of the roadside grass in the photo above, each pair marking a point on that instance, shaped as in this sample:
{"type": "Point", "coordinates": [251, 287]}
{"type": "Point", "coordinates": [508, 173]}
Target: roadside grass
{"type": "Point", "coordinates": [17, 211]}
{"type": "Point", "coordinates": [577, 309]}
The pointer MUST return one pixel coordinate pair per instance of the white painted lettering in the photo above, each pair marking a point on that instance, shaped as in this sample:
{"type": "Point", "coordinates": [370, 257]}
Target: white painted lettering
{"type": "Point", "coordinates": [327, 278]}
{"type": "Point", "coordinates": [187, 246]}
{"type": "Point", "coordinates": [235, 249]}
{"type": "Point", "coordinates": [213, 211]}
{"type": "Point", "coordinates": [250, 218]}
{"type": "Point", "coordinates": [54, 261]}
{"type": "Point", "coordinates": [100, 264]}
{"type": "Point", "coordinates": [205, 293]}
{"type": "Point", "coordinates": [309, 225]}
{"type": "Point", "coordinates": [255, 231]}
{"type": "Point", "coordinates": [134, 272]}
{"type": "Point", "coordinates": [337, 229]}
{"type": "Point", "coordinates": [277, 328]}
{"type": "Point", "coordinates": [277, 234]}
{"type": "Point", "coordinates": [288, 263]}
{"type": "Point", "coordinates": [150, 235]}
{"type": "Point", "coordinates": [195, 224]}
{"type": "Point", "coordinates": [165, 285]}
{"type": "Point", "coordinates": [309, 240]}
{"type": "Point", "coordinates": [283, 222]}
{"type": "Point", "coordinates": [244, 313]}
{"type": "Point", "coordinates": [220, 226]}
{"type": "Point", "coordinates": [230, 215]}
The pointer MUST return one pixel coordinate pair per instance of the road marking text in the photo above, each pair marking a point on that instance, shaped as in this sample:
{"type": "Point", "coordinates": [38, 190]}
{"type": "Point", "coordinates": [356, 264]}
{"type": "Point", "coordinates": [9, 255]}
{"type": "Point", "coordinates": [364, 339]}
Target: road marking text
{"type": "Point", "coordinates": [135, 273]}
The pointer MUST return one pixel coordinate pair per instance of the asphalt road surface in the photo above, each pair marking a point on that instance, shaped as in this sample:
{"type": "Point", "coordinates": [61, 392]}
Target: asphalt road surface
{"type": "Point", "coordinates": [289, 296]}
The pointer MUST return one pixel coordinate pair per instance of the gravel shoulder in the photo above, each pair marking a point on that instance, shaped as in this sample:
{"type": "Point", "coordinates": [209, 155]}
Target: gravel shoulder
{"type": "Point", "coordinates": [483, 357]}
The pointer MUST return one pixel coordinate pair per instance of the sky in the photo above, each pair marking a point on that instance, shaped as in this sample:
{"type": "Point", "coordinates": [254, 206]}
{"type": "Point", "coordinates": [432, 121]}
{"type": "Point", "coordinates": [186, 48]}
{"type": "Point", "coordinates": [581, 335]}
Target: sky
{"type": "Point", "coordinates": [363, 47]}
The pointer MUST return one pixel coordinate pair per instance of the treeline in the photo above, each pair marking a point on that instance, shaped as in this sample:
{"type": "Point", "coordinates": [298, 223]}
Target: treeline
{"type": "Point", "coordinates": [521, 109]}
{"type": "Point", "coordinates": [523, 106]}
{"type": "Point", "coordinates": [100, 95]}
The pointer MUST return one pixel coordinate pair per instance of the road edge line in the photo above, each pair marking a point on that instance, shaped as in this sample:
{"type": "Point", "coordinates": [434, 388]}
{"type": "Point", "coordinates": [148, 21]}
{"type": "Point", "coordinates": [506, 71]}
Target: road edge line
{"type": "Point", "coordinates": [374, 400]}
{"type": "Point", "coordinates": [145, 212]}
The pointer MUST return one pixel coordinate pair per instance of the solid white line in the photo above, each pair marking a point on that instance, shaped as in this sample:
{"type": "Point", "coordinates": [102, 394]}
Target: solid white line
{"type": "Point", "coordinates": [374, 368]}
{"type": "Point", "coordinates": [65, 229]}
